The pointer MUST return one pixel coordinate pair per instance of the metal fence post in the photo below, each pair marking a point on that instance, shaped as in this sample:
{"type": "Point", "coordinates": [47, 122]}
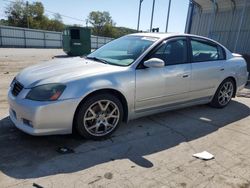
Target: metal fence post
{"type": "Point", "coordinates": [61, 38]}
{"type": "Point", "coordinates": [1, 38]}
{"type": "Point", "coordinates": [44, 40]}
{"type": "Point", "coordinates": [24, 35]}
{"type": "Point", "coordinates": [97, 41]}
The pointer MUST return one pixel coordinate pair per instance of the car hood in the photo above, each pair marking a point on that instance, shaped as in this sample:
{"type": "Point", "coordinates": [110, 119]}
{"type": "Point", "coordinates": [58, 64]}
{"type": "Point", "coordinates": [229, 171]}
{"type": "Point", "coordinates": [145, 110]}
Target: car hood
{"type": "Point", "coordinates": [62, 71]}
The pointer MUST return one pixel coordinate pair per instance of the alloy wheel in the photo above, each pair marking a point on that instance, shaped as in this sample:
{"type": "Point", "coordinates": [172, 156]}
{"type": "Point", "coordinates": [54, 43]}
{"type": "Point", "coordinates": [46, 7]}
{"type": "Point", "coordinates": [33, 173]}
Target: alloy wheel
{"type": "Point", "coordinates": [225, 93]}
{"type": "Point", "coordinates": [101, 118]}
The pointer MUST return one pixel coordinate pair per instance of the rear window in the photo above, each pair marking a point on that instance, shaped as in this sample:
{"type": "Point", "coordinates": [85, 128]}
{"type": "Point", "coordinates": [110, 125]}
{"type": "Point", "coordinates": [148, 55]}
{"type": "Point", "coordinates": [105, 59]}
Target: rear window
{"type": "Point", "coordinates": [206, 51]}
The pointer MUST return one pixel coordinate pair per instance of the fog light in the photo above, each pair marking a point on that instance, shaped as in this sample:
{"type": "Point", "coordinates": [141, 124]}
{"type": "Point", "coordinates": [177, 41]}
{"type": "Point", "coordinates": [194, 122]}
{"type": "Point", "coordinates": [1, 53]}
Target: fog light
{"type": "Point", "coordinates": [27, 122]}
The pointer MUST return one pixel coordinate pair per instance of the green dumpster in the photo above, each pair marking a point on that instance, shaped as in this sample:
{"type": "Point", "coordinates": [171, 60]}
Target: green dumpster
{"type": "Point", "coordinates": [76, 41]}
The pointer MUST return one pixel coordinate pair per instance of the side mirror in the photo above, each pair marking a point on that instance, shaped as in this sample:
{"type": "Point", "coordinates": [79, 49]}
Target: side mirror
{"type": "Point", "coordinates": [154, 63]}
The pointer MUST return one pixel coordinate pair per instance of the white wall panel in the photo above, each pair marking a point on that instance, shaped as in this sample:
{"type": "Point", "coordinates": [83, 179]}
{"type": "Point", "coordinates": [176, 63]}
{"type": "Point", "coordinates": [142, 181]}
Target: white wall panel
{"type": "Point", "coordinates": [9, 32]}
{"type": "Point", "coordinates": [34, 43]}
{"type": "Point", "coordinates": [34, 34]}
{"type": "Point", "coordinates": [13, 42]}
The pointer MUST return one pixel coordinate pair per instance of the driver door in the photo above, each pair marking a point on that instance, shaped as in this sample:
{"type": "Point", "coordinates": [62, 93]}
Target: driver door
{"type": "Point", "coordinates": [160, 87]}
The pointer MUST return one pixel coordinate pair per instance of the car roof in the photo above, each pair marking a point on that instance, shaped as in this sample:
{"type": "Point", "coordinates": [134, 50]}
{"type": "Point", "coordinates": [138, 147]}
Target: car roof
{"type": "Point", "coordinates": [167, 35]}
{"type": "Point", "coordinates": [157, 35]}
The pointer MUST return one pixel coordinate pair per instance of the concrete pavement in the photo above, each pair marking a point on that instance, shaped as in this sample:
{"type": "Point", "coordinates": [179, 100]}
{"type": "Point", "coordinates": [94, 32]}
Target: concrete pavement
{"type": "Point", "coordinates": [154, 151]}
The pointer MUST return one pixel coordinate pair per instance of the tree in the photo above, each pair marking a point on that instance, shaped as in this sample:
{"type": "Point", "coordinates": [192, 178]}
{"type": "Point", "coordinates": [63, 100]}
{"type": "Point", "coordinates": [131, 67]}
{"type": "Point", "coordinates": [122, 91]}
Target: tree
{"type": "Point", "coordinates": [58, 17]}
{"type": "Point", "coordinates": [24, 14]}
{"type": "Point", "coordinates": [16, 14]}
{"type": "Point", "coordinates": [101, 21]}
{"type": "Point", "coordinates": [56, 24]}
{"type": "Point", "coordinates": [3, 22]}
{"type": "Point", "coordinates": [35, 15]}
{"type": "Point", "coordinates": [121, 31]}
{"type": "Point", "coordinates": [103, 25]}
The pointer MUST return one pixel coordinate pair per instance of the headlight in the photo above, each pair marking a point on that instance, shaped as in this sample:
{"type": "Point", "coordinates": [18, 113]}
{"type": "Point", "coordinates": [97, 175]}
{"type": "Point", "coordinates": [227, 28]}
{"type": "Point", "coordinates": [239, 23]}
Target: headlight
{"type": "Point", "coordinates": [47, 92]}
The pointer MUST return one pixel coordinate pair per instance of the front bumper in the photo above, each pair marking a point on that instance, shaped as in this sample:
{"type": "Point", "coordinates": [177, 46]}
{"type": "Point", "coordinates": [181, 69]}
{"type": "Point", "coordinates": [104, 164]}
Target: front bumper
{"type": "Point", "coordinates": [42, 118]}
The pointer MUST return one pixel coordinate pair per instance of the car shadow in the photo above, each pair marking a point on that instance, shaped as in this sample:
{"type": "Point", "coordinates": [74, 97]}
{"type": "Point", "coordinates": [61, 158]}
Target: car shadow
{"type": "Point", "coordinates": [61, 56]}
{"type": "Point", "coordinates": [23, 156]}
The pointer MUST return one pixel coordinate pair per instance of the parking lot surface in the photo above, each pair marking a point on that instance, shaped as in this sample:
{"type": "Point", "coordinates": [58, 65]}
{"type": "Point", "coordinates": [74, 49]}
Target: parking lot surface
{"type": "Point", "coordinates": [155, 151]}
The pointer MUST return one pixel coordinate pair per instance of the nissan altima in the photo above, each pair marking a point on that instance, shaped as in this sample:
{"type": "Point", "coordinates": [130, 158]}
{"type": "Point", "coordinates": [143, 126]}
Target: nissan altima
{"type": "Point", "coordinates": [130, 77]}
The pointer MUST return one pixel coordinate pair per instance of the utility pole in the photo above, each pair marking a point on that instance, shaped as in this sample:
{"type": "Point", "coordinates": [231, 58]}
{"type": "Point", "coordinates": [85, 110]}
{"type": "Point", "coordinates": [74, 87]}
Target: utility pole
{"type": "Point", "coordinates": [152, 16]}
{"type": "Point", "coordinates": [27, 13]}
{"type": "Point", "coordinates": [87, 22]}
{"type": "Point", "coordinates": [139, 15]}
{"type": "Point", "coordinates": [169, 6]}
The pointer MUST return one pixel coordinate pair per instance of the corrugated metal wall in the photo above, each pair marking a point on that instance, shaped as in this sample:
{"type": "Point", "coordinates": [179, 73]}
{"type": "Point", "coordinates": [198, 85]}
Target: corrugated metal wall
{"type": "Point", "coordinates": [97, 42]}
{"type": "Point", "coordinates": [226, 22]}
{"type": "Point", "coordinates": [31, 38]}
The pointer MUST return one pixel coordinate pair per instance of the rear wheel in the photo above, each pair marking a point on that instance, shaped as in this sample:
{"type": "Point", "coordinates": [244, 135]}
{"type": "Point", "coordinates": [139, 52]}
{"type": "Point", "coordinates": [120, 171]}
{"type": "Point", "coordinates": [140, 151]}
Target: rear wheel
{"type": "Point", "coordinates": [99, 116]}
{"type": "Point", "coordinates": [223, 94]}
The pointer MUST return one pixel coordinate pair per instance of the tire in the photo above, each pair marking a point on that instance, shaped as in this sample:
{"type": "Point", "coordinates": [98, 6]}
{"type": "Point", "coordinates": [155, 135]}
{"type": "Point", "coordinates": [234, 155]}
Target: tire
{"type": "Point", "coordinates": [99, 116]}
{"type": "Point", "coordinates": [223, 94]}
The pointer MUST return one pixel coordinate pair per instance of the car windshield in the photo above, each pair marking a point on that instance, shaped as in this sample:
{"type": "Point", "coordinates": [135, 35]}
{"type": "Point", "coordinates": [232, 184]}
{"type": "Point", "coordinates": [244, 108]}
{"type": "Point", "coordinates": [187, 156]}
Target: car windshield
{"type": "Point", "coordinates": [123, 51]}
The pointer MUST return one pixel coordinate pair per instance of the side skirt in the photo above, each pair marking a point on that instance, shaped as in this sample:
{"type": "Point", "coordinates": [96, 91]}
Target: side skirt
{"type": "Point", "coordinates": [159, 109]}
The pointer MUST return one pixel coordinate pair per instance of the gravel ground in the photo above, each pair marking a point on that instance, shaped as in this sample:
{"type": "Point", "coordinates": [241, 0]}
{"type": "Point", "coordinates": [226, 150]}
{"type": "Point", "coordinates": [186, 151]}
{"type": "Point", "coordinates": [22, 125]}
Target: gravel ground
{"type": "Point", "coordinates": [154, 151]}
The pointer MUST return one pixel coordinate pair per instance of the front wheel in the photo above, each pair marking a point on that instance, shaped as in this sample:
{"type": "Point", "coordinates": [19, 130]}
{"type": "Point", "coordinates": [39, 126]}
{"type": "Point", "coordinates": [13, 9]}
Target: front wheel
{"type": "Point", "coordinates": [223, 94]}
{"type": "Point", "coordinates": [99, 116]}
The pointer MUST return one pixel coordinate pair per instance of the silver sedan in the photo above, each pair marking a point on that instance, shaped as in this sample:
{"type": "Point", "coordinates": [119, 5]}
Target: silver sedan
{"type": "Point", "coordinates": [130, 77]}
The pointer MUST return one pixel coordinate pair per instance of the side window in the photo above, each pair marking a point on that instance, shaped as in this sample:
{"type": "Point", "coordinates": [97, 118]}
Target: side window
{"type": "Point", "coordinates": [173, 52]}
{"type": "Point", "coordinates": [222, 54]}
{"type": "Point", "coordinates": [206, 51]}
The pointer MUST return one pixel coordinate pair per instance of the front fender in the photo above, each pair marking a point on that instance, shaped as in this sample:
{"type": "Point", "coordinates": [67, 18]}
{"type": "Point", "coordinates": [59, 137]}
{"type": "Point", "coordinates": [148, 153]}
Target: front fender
{"type": "Point", "coordinates": [123, 82]}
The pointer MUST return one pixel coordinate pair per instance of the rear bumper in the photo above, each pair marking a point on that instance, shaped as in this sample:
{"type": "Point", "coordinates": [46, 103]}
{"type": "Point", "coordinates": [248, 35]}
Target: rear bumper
{"type": "Point", "coordinates": [42, 118]}
{"type": "Point", "coordinates": [242, 81]}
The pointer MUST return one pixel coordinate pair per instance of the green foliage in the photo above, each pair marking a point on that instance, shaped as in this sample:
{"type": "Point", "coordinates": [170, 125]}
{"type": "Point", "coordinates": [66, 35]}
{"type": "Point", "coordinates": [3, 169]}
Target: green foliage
{"type": "Point", "coordinates": [121, 31]}
{"type": "Point", "coordinates": [102, 22]}
{"type": "Point", "coordinates": [24, 14]}
{"type": "Point", "coordinates": [3, 22]}
{"type": "Point", "coordinates": [99, 19]}
{"type": "Point", "coordinates": [103, 25]}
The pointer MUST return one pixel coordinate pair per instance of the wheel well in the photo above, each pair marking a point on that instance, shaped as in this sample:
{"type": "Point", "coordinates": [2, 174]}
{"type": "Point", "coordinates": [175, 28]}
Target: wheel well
{"type": "Point", "coordinates": [114, 92]}
{"type": "Point", "coordinates": [235, 85]}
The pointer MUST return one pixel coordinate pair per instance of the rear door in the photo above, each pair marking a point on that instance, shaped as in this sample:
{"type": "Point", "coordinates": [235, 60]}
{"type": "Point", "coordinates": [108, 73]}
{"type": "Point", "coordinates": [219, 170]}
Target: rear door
{"type": "Point", "coordinates": [157, 87]}
{"type": "Point", "coordinates": [208, 61]}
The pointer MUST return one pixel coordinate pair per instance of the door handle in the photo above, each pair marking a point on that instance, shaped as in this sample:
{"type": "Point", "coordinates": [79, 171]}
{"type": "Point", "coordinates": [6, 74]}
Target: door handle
{"type": "Point", "coordinates": [185, 76]}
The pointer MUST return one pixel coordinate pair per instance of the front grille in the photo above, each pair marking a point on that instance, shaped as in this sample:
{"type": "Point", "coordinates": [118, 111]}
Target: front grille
{"type": "Point", "coordinates": [16, 88]}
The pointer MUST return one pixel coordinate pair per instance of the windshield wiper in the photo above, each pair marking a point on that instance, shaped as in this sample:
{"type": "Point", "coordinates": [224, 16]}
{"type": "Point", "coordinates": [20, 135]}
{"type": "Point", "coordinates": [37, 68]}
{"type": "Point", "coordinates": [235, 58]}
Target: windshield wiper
{"type": "Point", "coordinates": [98, 59]}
